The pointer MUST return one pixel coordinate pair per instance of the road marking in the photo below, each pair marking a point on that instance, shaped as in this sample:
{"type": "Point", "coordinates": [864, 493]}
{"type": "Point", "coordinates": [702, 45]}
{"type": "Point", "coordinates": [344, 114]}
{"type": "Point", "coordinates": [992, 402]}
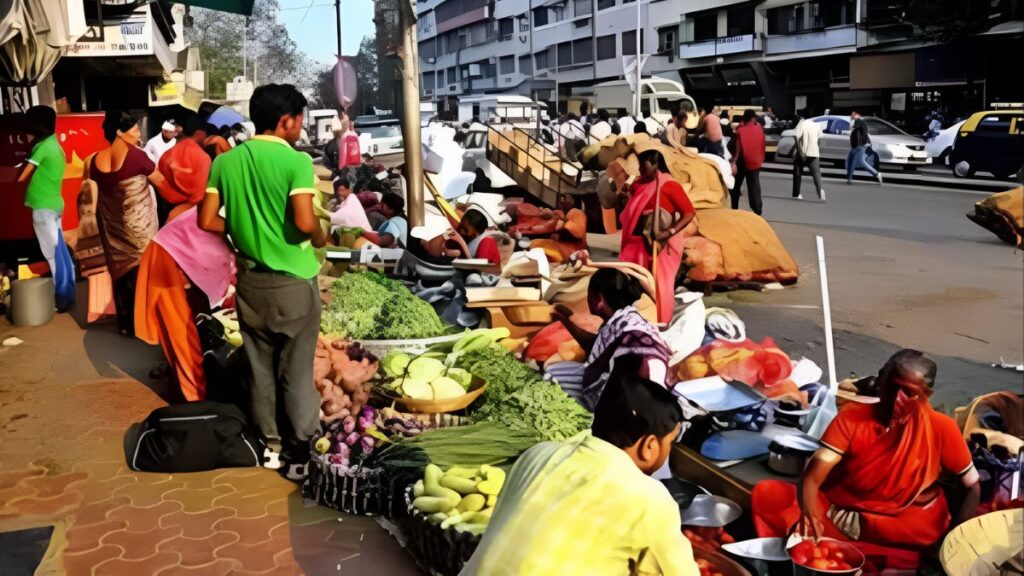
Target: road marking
{"type": "Point", "coordinates": [920, 187]}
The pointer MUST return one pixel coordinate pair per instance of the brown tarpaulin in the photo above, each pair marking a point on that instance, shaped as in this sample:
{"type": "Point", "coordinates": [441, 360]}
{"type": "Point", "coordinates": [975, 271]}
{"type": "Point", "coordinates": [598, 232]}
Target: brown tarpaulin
{"type": "Point", "coordinates": [1003, 215]}
{"type": "Point", "coordinates": [750, 248]}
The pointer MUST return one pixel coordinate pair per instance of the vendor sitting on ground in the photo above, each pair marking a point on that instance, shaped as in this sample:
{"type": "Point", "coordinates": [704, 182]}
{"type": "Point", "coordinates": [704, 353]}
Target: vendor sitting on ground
{"type": "Point", "coordinates": [568, 227]}
{"type": "Point", "coordinates": [437, 243]}
{"type": "Point", "coordinates": [626, 337]}
{"type": "Point", "coordinates": [480, 244]}
{"type": "Point", "coordinates": [876, 478]}
{"type": "Point", "coordinates": [393, 232]}
{"type": "Point", "coordinates": [345, 208]}
{"type": "Point", "coordinates": [588, 505]}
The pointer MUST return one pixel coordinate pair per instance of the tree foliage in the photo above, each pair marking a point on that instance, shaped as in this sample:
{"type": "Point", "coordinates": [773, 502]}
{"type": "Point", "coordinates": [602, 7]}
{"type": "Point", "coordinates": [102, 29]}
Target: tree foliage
{"type": "Point", "coordinates": [269, 48]}
{"type": "Point", "coordinates": [367, 72]}
{"type": "Point", "coordinates": [950, 20]}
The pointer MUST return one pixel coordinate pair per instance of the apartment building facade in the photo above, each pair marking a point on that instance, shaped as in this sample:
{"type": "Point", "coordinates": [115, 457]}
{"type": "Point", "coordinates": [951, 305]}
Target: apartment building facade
{"type": "Point", "coordinates": [787, 54]}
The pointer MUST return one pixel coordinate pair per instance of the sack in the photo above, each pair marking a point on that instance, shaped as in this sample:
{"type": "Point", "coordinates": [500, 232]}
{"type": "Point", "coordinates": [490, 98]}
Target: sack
{"type": "Point", "coordinates": [645, 226]}
{"type": "Point", "coordinates": [193, 437]}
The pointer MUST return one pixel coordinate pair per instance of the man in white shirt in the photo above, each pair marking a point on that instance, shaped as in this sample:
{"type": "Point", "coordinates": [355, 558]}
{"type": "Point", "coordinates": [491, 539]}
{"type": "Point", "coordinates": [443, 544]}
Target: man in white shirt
{"type": "Point", "coordinates": [162, 142]}
{"type": "Point", "coordinates": [603, 127]}
{"type": "Point", "coordinates": [568, 132]}
{"type": "Point", "coordinates": [806, 153]}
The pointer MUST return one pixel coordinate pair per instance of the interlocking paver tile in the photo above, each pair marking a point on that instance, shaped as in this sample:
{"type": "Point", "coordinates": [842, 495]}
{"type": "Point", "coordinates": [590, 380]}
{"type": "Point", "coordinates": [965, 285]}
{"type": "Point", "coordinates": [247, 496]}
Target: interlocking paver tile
{"type": "Point", "coordinates": [220, 567]}
{"type": "Point", "coordinates": [10, 478]}
{"type": "Point", "coordinates": [83, 562]}
{"type": "Point", "coordinates": [82, 538]}
{"type": "Point", "coordinates": [144, 519]}
{"type": "Point", "coordinates": [140, 545]}
{"type": "Point", "coordinates": [197, 499]}
{"type": "Point", "coordinates": [50, 486]}
{"type": "Point", "coordinates": [199, 524]}
{"type": "Point", "coordinates": [150, 565]}
{"type": "Point", "coordinates": [93, 492]}
{"type": "Point", "coordinates": [97, 511]}
{"type": "Point", "coordinates": [145, 494]}
{"type": "Point", "coordinates": [32, 506]}
{"type": "Point", "coordinates": [198, 551]}
{"type": "Point", "coordinates": [16, 492]}
{"type": "Point", "coordinates": [252, 530]}
{"type": "Point", "coordinates": [257, 557]}
{"type": "Point", "coordinates": [255, 504]}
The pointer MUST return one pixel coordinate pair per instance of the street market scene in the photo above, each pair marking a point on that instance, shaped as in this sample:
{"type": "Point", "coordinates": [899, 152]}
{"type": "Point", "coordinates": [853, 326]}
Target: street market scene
{"type": "Point", "coordinates": [511, 287]}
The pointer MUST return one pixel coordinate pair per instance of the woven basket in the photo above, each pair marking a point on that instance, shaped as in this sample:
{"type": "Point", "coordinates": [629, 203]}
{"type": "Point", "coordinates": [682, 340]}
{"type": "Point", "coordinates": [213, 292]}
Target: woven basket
{"type": "Point", "coordinates": [440, 406]}
{"type": "Point", "coordinates": [380, 348]}
{"type": "Point", "coordinates": [363, 491]}
{"type": "Point", "coordinates": [437, 551]}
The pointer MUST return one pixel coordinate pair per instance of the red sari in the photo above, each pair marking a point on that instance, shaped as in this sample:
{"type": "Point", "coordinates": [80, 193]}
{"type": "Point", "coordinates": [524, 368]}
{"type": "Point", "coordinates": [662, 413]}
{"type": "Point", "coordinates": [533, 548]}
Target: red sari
{"type": "Point", "coordinates": [186, 168]}
{"type": "Point", "coordinates": [643, 196]}
{"type": "Point", "coordinates": [887, 475]}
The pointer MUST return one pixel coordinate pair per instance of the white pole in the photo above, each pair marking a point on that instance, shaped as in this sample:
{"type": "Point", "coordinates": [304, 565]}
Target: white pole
{"type": "Point", "coordinates": [636, 106]}
{"type": "Point", "coordinates": [245, 43]}
{"type": "Point", "coordinates": [826, 412]}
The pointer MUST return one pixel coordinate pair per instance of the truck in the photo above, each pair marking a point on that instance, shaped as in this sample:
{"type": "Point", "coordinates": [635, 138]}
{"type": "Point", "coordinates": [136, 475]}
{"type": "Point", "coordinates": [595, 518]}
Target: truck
{"type": "Point", "coordinates": [518, 111]}
{"type": "Point", "coordinates": [318, 125]}
{"type": "Point", "coordinates": [660, 97]}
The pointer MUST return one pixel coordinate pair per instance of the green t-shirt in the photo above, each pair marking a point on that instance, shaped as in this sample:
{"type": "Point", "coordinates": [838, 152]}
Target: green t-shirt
{"type": "Point", "coordinates": [255, 181]}
{"type": "Point", "coordinates": [43, 191]}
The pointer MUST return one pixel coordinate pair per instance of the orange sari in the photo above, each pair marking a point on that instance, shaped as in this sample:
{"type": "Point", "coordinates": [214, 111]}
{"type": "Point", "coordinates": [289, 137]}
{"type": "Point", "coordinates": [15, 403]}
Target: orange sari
{"type": "Point", "coordinates": [186, 168]}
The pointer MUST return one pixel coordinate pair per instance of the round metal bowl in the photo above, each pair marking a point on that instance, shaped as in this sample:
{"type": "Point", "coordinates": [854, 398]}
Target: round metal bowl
{"type": "Point", "coordinates": [708, 511]}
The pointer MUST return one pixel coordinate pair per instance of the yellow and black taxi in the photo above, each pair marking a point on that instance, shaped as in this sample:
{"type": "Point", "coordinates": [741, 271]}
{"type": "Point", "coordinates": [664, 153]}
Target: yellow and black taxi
{"type": "Point", "coordinates": [990, 141]}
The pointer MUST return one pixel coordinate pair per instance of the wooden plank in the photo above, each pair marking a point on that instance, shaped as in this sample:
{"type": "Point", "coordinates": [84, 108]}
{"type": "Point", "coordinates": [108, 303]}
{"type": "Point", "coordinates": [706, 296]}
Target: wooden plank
{"type": "Point", "coordinates": [690, 465]}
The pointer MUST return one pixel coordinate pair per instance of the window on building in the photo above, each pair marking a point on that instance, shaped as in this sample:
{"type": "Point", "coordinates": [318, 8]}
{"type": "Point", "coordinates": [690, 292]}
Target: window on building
{"type": "Point", "coordinates": [556, 13]}
{"type": "Point", "coordinates": [667, 40]}
{"type": "Point", "coordinates": [440, 79]}
{"type": "Point", "coordinates": [628, 1]}
{"type": "Point", "coordinates": [629, 42]}
{"type": "Point", "coordinates": [451, 76]}
{"type": "Point", "coordinates": [583, 51]}
{"type": "Point", "coordinates": [543, 62]}
{"type": "Point", "coordinates": [428, 81]}
{"type": "Point", "coordinates": [740, 21]}
{"type": "Point", "coordinates": [786, 19]}
{"type": "Point", "coordinates": [507, 65]}
{"type": "Point", "coordinates": [525, 65]}
{"type": "Point", "coordinates": [505, 28]}
{"type": "Point", "coordinates": [832, 13]}
{"type": "Point", "coordinates": [603, 4]}
{"type": "Point", "coordinates": [540, 17]}
{"type": "Point", "coordinates": [705, 26]}
{"type": "Point", "coordinates": [565, 54]}
{"type": "Point", "coordinates": [581, 23]}
{"type": "Point", "coordinates": [427, 48]}
{"type": "Point", "coordinates": [582, 7]}
{"type": "Point", "coordinates": [488, 70]}
{"type": "Point", "coordinates": [606, 47]}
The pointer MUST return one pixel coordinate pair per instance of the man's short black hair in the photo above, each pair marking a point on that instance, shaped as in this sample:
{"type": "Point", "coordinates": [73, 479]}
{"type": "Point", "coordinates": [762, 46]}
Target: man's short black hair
{"type": "Point", "coordinates": [42, 121]}
{"type": "Point", "coordinates": [749, 115]}
{"type": "Point", "coordinates": [632, 407]}
{"type": "Point", "coordinates": [238, 126]}
{"type": "Point", "coordinates": [210, 129]}
{"type": "Point", "coordinates": [191, 124]}
{"type": "Point", "coordinates": [602, 114]}
{"type": "Point", "coordinates": [272, 101]}
{"type": "Point", "coordinates": [476, 219]}
{"type": "Point", "coordinates": [117, 121]}
{"type": "Point", "coordinates": [616, 287]}
{"type": "Point", "coordinates": [394, 201]}
{"type": "Point", "coordinates": [640, 127]}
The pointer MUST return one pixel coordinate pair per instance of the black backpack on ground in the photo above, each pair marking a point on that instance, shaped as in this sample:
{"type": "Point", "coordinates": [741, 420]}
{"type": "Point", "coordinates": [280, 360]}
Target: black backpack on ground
{"type": "Point", "coordinates": [192, 437]}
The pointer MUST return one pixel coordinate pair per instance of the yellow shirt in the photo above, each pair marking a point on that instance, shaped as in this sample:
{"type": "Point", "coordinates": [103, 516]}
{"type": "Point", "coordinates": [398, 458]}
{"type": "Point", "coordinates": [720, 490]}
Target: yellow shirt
{"type": "Point", "coordinates": [582, 507]}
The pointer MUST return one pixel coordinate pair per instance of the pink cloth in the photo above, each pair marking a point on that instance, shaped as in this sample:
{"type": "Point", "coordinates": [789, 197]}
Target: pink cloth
{"type": "Point", "coordinates": [204, 257]}
{"type": "Point", "coordinates": [633, 250]}
{"type": "Point", "coordinates": [350, 214]}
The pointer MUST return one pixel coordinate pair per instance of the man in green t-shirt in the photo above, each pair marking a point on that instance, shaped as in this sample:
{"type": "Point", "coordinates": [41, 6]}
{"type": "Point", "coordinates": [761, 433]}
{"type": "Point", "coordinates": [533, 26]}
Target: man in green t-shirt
{"type": "Point", "coordinates": [266, 190]}
{"type": "Point", "coordinates": [44, 172]}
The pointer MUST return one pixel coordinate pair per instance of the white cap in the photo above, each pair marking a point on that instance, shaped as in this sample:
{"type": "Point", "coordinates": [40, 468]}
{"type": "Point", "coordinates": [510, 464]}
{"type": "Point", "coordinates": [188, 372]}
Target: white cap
{"type": "Point", "coordinates": [168, 126]}
{"type": "Point", "coordinates": [433, 226]}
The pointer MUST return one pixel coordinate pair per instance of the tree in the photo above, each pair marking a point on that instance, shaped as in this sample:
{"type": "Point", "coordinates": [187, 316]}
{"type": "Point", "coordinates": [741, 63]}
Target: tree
{"type": "Point", "coordinates": [949, 20]}
{"type": "Point", "coordinates": [268, 48]}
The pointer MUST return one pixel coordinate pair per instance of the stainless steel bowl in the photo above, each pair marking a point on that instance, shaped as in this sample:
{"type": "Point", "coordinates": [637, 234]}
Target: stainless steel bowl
{"type": "Point", "coordinates": [708, 511]}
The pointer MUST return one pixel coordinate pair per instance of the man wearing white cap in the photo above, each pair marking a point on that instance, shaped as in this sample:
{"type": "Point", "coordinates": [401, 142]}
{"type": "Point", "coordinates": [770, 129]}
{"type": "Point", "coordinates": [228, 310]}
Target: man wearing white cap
{"type": "Point", "coordinates": [162, 142]}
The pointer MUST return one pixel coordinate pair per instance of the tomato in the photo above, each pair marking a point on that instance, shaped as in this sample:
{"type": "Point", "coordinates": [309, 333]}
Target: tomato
{"type": "Point", "coordinates": [829, 545]}
{"type": "Point", "coordinates": [819, 564]}
{"type": "Point", "coordinates": [800, 558]}
{"type": "Point", "coordinates": [804, 548]}
{"type": "Point", "coordinates": [844, 566]}
{"type": "Point", "coordinates": [818, 553]}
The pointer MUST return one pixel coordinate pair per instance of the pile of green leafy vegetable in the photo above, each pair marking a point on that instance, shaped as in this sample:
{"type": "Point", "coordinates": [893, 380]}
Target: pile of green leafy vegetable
{"type": "Point", "coordinates": [521, 399]}
{"type": "Point", "coordinates": [371, 306]}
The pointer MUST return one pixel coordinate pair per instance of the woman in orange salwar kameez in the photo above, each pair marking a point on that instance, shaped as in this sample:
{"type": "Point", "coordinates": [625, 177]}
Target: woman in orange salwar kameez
{"type": "Point", "coordinates": [875, 480]}
{"type": "Point", "coordinates": [184, 271]}
{"type": "Point", "coordinates": [654, 186]}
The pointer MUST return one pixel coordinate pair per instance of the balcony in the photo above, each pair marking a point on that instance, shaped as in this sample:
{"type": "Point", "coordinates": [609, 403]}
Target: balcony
{"type": "Point", "coordinates": [819, 39]}
{"type": "Point", "coordinates": [720, 46]}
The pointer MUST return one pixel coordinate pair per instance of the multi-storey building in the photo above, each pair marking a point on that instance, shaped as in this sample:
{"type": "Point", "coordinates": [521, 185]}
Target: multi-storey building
{"type": "Point", "coordinates": [788, 54]}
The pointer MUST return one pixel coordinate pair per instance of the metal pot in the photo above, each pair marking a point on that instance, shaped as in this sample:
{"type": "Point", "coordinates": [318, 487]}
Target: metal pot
{"type": "Point", "coordinates": [787, 455]}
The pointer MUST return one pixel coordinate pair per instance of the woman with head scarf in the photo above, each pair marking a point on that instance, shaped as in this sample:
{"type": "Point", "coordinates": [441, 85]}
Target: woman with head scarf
{"type": "Point", "coordinates": [126, 208]}
{"type": "Point", "coordinates": [875, 480]}
{"type": "Point", "coordinates": [625, 338]}
{"type": "Point", "coordinates": [185, 169]}
{"type": "Point", "coordinates": [653, 220]}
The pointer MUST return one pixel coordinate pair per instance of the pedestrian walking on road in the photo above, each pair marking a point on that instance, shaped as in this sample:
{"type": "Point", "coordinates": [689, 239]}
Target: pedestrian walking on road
{"type": "Point", "coordinates": [267, 191]}
{"type": "Point", "coordinates": [860, 141]}
{"type": "Point", "coordinates": [711, 138]}
{"type": "Point", "coordinates": [806, 153]}
{"type": "Point", "coordinates": [746, 164]}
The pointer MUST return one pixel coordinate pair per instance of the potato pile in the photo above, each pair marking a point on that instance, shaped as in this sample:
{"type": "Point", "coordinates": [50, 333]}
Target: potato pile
{"type": "Point", "coordinates": [342, 371]}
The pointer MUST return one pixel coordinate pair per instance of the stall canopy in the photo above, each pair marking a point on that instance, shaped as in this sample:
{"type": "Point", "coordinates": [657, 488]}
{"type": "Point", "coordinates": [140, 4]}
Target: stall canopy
{"type": "Point", "coordinates": [31, 35]}
{"type": "Point", "coordinates": [243, 7]}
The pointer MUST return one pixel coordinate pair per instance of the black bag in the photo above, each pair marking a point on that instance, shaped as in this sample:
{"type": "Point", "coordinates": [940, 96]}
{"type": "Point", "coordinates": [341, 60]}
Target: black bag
{"type": "Point", "coordinates": [192, 437]}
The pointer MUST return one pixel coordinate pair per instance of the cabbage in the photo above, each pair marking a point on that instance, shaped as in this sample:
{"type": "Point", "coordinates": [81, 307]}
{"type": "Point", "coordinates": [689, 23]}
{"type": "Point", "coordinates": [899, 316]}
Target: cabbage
{"type": "Point", "coordinates": [426, 369]}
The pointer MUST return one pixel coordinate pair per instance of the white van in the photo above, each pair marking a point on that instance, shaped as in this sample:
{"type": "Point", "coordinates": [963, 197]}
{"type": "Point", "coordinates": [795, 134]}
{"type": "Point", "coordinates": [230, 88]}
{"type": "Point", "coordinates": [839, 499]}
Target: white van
{"type": "Point", "coordinates": [516, 110]}
{"type": "Point", "coordinates": [318, 125]}
{"type": "Point", "coordinates": [659, 98]}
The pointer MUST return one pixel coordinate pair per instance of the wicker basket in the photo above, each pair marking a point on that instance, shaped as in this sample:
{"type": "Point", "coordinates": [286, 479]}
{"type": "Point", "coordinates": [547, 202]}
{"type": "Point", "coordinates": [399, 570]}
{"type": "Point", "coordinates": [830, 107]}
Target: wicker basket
{"type": "Point", "coordinates": [440, 406]}
{"type": "Point", "coordinates": [363, 491]}
{"type": "Point", "coordinates": [437, 551]}
{"type": "Point", "coordinates": [380, 348]}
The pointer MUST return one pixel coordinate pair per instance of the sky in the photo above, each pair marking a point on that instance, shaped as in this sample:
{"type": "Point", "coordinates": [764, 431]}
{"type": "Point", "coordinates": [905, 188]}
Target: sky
{"type": "Point", "coordinates": [316, 34]}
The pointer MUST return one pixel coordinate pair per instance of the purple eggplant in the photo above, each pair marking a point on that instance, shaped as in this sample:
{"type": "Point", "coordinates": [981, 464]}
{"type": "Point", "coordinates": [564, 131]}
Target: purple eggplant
{"type": "Point", "coordinates": [348, 424]}
{"type": "Point", "coordinates": [367, 444]}
{"type": "Point", "coordinates": [339, 459]}
{"type": "Point", "coordinates": [352, 438]}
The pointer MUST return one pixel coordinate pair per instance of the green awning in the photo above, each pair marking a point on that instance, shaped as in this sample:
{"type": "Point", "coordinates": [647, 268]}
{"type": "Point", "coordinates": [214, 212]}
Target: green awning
{"type": "Point", "coordinates": [243, 7]}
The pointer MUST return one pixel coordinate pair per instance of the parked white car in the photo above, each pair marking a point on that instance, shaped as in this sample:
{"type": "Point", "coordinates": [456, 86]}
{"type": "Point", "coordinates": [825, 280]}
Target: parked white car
{"type": "Point", "coordinates": [893, 146]}
{"type": "Point", "coordinates": [938, 148]}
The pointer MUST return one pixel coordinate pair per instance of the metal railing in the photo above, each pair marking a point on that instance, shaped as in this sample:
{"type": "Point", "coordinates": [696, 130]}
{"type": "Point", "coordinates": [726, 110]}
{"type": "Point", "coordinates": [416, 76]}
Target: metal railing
{"type": "Point", "coordinates": [544, 173]}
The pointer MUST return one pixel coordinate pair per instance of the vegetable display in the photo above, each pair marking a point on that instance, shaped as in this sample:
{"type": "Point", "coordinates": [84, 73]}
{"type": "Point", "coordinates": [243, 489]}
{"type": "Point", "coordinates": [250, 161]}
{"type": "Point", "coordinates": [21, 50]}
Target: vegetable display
{"type": "Point", "coordinates": [228, 318]}
{"type": "Point", "coordinates": [707, 538]}
{"type": "Point", "coordinates": [707, 568]}
{"type": "Point", "coordinates": [346, 442]}
{"type": "Point", "coordinates": [342, 371]}
{"type": "Point", "coordinates": [432, 375]}
{"type": "Point", "coordinates": [473, 445]}
{"type": "Point", "coordinates": [824, 555]}
{"type": "Point", "coordinates": [521, 399]}
{"type": "Point", "coordinates": [371, 306]}
{"type": "Point", "coordinates": [461, 497]}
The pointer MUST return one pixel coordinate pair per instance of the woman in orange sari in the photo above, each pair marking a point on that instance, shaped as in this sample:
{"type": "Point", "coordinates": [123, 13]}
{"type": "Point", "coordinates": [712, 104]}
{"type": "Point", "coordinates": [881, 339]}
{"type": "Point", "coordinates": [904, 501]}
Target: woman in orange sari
{"type": "Point", "coordinates": [875, 480]}
{"type": "Point", "coordinates": [185, 168]}
{"type": "Point", "coordinates": [654, 187]}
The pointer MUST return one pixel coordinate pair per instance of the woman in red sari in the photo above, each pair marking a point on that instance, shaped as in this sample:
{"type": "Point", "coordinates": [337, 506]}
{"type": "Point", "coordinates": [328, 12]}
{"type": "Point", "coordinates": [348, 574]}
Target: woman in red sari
{"type": "Point", "coordinates": [185, 168]}
{"type": "Point", "coordinates": [654, 186]}
{"type": "Point", "coordinates": [875, 480]}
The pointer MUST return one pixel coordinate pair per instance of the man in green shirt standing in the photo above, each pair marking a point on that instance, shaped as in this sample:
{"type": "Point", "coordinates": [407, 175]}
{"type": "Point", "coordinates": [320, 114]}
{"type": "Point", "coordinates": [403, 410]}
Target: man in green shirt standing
{"type": "Point", "coordinates": [266, 189]}
{"type": "Point", "coordinates": [44, 172]}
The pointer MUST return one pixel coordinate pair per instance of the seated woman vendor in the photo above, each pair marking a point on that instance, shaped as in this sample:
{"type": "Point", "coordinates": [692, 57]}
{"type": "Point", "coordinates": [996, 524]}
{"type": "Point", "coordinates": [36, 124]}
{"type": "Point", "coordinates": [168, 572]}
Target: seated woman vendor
{"type": "Point", "coordinates": [876, 478]}
{"type": "Point", "coordinates": [588, 505]}
{"type": "Point", "coordinates": [393, 232]}
{"type": "Point", "coordinates": [567, 229]}
{"type": "Point", "coordinates": [473, 229]}
{"type": "Point", "coordinates": [625, 337]}
{"type": "Point", "coordinates": [437, 243]}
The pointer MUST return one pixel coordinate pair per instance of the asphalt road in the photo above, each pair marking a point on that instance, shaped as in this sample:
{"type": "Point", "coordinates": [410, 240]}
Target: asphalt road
{"type": "Point", "coordinates": [906, 268]}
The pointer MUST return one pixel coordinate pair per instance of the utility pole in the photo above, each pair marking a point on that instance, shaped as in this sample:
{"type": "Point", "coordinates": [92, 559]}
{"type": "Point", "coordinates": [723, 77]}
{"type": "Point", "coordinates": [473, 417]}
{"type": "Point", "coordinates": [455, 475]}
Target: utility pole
{"type": "Point", "coordinates": [337, 16]}
{"type": "Point", "coordinates": [637, 105]}
{"type": "Point", "coordinates": [411, 113]}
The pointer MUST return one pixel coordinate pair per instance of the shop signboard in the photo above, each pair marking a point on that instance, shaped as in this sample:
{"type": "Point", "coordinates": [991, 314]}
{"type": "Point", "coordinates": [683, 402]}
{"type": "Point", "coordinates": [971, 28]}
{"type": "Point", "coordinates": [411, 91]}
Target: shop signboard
{"type": "Point", "coordinates": [130, 36]}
